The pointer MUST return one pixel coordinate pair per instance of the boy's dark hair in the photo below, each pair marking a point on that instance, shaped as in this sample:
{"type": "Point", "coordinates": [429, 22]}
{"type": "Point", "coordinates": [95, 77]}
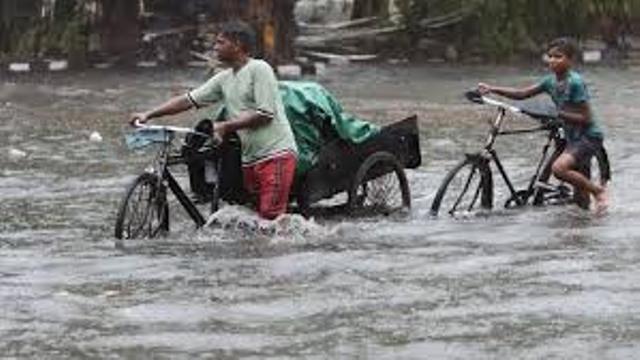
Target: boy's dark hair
{"type": "Point", "coordinates": [241, 32]}
{"type": "Point", "coordinates": [565, 45]}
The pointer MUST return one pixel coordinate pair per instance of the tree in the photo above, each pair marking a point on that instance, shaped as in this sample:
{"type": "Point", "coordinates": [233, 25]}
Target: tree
{"type": "Point", "coordinates": [274, 23]}
{"type": "Point", "coordinates": [500, 29]}
{"type": "Point", "coordinates": [367, 8]}
{"type": "Point", "coordinates": [119, 26]}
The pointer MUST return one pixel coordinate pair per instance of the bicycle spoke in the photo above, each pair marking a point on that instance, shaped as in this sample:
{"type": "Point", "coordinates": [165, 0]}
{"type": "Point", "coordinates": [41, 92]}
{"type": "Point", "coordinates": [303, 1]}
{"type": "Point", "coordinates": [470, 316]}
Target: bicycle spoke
{"type": "Point", "coordinates": [385, 192]}
{"type": "Point", "coordinates": [159, 216]}
{"type": "Point", "coordinates": [464, 189]}
{"type": "Point", "coordinates": [380, 195]}
{"type": "Point", "coordinates": [475, 197]}
{"type": "Point", "coordinates": [141, 214]}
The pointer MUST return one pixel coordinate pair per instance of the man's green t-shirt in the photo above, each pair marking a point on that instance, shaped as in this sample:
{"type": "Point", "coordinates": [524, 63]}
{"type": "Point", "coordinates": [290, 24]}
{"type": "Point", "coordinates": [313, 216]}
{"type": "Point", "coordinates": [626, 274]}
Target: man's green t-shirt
{"type": "Point", "coordinates": [253, 87]}
{"type": "Point", "coordinates": [574, 91]}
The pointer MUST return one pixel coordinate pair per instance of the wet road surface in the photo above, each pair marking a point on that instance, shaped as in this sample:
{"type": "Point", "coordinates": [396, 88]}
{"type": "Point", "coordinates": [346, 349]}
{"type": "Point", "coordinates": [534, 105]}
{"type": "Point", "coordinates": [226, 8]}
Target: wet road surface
{"type": "Point", "coordinates": [553, 282]}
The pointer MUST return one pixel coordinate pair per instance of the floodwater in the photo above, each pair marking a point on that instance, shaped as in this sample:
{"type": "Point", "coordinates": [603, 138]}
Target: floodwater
{"type": "Point", "coordinates": [552, 282]}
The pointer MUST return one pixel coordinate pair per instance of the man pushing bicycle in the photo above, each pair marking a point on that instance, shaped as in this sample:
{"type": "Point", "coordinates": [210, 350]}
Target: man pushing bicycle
{"type": "Point", "coordinates": [249, 91]}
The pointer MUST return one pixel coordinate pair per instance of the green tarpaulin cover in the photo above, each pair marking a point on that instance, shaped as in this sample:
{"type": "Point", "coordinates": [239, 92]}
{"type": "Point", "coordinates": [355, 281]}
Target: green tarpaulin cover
{"type": "Point", "coordinates": [317, 118]}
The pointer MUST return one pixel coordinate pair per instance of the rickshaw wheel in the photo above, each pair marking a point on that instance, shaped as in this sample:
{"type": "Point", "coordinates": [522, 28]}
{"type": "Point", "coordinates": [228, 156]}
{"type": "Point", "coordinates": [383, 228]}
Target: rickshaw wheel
{"type": "Point", "coordinates": [380, 186]}
{"type": "Point", "coordinates": [144, 211]}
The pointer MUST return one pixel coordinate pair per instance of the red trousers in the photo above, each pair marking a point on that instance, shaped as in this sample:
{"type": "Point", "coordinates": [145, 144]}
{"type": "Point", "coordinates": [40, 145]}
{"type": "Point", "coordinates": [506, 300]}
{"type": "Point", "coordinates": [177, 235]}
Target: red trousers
{"type": "Point", "coordinates": [270, 181]}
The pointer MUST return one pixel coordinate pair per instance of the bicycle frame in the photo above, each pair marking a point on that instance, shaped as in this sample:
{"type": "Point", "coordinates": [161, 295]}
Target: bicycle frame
{"type": "Point", "coordinates": [496, 130]}
{"type": "Point", "coordinates": [165, 159]}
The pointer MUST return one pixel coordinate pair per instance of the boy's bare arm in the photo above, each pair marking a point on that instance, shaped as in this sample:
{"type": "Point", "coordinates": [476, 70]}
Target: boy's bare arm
{"type": "Point", "coordinates": [511, 93]}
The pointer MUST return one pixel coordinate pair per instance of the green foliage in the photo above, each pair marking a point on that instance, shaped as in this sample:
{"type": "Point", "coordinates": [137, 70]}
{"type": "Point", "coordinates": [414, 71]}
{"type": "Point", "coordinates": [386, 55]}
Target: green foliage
{"type": "Point", "coordinates": [501, 29]}
{"type": "Point", "coordinates": [74, 39]}
{"type": "Point", "coordinates": [614, 8]}
{"type": "Point", "coordinates": [28, 41]}
{"type": "Point", "coordinates": [64, 34]}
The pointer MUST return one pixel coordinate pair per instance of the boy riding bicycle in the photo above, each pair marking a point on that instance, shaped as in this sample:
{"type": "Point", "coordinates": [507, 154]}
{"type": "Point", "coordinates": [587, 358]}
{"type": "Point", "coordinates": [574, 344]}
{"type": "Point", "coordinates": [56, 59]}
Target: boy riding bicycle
{"type": "Point", "coordinates": [569, 93]}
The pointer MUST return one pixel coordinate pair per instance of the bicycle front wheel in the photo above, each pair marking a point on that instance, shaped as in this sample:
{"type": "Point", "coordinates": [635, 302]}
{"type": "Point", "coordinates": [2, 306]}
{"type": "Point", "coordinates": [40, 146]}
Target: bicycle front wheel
{"type": "Point", "coordinates": [144, 211]}
{"type": "Point", "coordinates": [466, 189]}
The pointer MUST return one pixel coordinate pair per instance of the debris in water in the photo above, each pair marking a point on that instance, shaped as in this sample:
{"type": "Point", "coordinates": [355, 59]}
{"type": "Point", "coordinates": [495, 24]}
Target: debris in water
{"type": "Point", "coordinates": [16, 154]}
{"type": "Point", "coordinates": [95, 137]}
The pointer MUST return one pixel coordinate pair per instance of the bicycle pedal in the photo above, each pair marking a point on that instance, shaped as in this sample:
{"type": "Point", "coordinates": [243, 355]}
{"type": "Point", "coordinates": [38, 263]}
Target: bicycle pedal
{"type": "Point", "coordinates": [544, 186]}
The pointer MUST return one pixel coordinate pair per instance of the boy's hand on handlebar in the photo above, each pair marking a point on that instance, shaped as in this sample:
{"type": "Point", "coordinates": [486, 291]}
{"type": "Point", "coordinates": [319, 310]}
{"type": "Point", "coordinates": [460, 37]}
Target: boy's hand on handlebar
{"type": "Point", "coordinates": [552, 123]}
{"type": "Point", "coordinates": [484, 89]}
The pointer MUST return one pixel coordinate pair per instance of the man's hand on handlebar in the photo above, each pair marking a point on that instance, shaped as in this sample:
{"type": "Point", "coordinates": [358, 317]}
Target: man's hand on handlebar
{"type": "Point", "coordinates": [219, 132]}
{"type": "Point", "coordinates": [137, 119]}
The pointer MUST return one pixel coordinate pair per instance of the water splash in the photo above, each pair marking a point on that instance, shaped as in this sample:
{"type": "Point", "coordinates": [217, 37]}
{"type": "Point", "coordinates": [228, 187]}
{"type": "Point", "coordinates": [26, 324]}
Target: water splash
{"type": "Point", "coordinates": [243, 222]}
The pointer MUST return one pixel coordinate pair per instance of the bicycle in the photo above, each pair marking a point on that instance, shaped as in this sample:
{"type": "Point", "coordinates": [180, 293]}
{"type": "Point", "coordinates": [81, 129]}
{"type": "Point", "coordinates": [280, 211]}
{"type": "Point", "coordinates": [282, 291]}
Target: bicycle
{"type": "Point", "coordinates": [469, 186]}
{"type": "Point", "coordinates": [371, 173]}
{"type": "Point", "coordinates": [144, 210]}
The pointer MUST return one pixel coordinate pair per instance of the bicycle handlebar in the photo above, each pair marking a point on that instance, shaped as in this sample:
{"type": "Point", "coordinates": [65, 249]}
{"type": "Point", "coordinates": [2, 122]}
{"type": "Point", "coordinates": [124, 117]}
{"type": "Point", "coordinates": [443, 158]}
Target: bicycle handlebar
{"type": "Point", "coordinates": [547, 118]}
{"type": "Point", "coordinates": [145, 135]}
{"type": "Point", "coordinates": [169, 128]}
{"type": "Point", "coordinates": [475, 97]}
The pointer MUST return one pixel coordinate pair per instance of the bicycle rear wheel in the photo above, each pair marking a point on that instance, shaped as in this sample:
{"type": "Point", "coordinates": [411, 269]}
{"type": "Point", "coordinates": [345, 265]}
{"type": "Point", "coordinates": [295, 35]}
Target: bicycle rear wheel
{"type": "Point", "coordinates": [597, 169]}
{"type": "Point", "coordinates": [144, 211]}
{"type": "Point", "coordinates": [466, 189]}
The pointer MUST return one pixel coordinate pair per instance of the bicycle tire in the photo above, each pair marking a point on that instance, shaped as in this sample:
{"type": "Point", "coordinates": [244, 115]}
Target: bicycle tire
{"type": "Point", "coordinates": [472, 173]}
{"type": "Point", "coordinates": [597, 169]}
{"type": "Point", "coordinates": [302, 197]}
{"type": "Point", "coordinates": [379, 187]}
{"type": "Point", "coordinates": [542, 197]}
{"type": "Point", "coordinates": [144, 210]}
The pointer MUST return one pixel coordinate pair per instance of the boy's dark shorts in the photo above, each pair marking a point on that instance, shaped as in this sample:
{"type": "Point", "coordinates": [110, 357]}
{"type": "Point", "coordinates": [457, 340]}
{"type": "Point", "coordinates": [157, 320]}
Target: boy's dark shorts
{"type": "Point", "coordinates": [583, 149]}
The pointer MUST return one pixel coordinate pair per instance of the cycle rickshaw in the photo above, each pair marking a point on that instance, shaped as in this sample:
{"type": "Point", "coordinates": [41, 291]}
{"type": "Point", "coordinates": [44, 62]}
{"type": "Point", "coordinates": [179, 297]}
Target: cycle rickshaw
{"type": "Point", "coordinates": [338, 154]}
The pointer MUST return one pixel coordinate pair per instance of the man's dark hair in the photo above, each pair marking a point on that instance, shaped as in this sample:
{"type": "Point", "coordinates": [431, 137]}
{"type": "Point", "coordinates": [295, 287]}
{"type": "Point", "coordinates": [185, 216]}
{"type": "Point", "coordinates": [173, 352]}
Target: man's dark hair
{"type": "Point", "coordinates": [241, 32]}
{"type": "Point", "coordinates": [565, 45]}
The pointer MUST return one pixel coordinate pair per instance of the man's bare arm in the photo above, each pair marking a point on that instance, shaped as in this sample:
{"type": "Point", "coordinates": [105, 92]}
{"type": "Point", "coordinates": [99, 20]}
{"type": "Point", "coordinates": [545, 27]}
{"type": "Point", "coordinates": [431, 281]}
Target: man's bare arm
{"type": "Point", "coordinates": [173, 106]}
{"type": "Point", "coordinates": [246, 120]}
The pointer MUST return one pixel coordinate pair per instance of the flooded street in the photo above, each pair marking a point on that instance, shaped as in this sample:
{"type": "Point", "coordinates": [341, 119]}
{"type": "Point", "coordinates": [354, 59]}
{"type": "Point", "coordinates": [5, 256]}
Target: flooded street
{"type": "Point", "coordinates": [532, 283]}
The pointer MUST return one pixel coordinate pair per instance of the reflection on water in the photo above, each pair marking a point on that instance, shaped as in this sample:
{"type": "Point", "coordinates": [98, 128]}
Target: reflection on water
{"type": "Point", "coordinates": [551, 282]}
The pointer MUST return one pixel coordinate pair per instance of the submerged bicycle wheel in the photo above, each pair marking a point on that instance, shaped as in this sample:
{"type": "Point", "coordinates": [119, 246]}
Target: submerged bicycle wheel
{"type": "Point", "coordinates": [466, 189]}
{"type": "Point", "coordinates": [144, 211]}
{"type": "Point", "coordinates": [380, 187]}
